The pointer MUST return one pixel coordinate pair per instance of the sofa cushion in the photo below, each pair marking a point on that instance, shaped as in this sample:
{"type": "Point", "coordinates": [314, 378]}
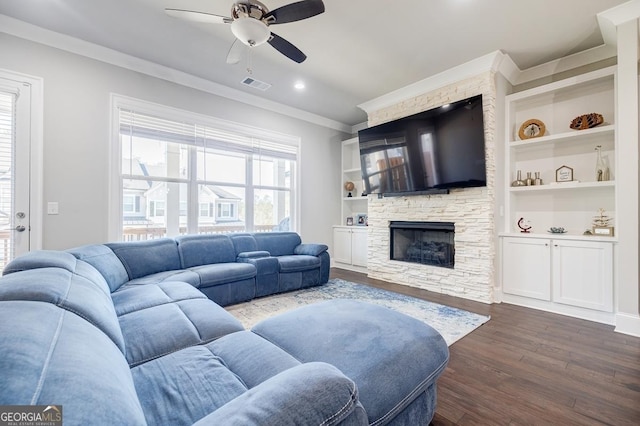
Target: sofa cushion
{"type": "Point", "coordinates": [239, 351]}
{"type": "Point", "coordinates": [257, 254]}
{"type": "Point", "coordinates": [141, 258]}
{"type": "Point", "coordinates": [41, 259]}
{"type": "Point", "coordinates": [309, 394]}
{"type": "Point", "coordinates": [176, 275]}
{"type": "Point", "coordinates": [277, 243]}
{"type": "Point", "coordinates": [223, 273]}
{"type": "Point", "coordinates": [298, 262]}
{"type": "Point", "coordinates": [137, 298]}
{"type": "Point", "coordinates": [243, 242]}
{"type": "Point", "coordinates": [185, 386]}
{"type": "Point", "coordinates": [311, 249]}
{"type": "Point", "coordinates": [196, 250]}
{"type": "Point", "coordinates": [52, 356]}
{"type": "Point", "coordinates": [105, 261]}
{"type": "Point", "coordinates": [68, 291]}
{"type": "Point", "coordinates": [175, 321]}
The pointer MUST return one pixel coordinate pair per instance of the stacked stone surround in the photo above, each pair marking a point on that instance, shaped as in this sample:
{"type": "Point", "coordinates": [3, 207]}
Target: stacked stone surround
{"type": "Point", "coordinates": [471, 209]}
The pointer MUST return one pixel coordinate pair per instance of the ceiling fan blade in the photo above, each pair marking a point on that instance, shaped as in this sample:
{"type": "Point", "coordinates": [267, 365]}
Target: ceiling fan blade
{"type": "Point", "coordinates": [190, 15]}
{"type": "Point", "coordinates": [286, 48]}
{"type": "Point", "coordinates": [295, 12]}
{"type": "Point", "coordinates": [236, 52]}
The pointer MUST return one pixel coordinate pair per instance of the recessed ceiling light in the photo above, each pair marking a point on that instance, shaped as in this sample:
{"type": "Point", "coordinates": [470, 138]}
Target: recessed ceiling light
{"type": "Point", "coordinates": [299, 85]}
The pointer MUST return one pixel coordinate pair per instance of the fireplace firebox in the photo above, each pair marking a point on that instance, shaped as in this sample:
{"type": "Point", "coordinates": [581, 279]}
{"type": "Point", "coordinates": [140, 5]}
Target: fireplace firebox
{"type": "Point", "coordinates": [428, 243]}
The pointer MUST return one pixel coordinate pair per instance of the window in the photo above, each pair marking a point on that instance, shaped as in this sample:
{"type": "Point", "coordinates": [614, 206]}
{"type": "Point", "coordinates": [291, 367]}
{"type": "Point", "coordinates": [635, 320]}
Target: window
{"type": "Point", "coordinates": [206, 209]}
{"type": "Point", "coordinates": [180, 173]}
{"type": "Point", "coordinates": [225, 211]}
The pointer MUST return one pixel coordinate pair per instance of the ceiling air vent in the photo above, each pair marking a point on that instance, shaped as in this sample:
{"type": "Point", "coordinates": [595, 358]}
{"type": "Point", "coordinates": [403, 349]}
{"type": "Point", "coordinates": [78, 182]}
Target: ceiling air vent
{"type": "Point", "coordinates": [256, 84]}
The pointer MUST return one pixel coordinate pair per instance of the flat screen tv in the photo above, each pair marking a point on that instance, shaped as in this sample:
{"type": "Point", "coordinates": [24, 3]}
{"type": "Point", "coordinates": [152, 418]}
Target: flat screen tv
{"type": "Point", "coordinates": [438, 149]}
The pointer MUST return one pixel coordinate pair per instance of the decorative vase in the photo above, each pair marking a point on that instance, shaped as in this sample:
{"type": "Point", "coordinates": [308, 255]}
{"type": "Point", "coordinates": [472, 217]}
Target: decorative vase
{"type": "Point", "coordinates": [537, 180]}
{"type": "Point", "coordinates": [518, 181]}
{"type": "Point", "coordinates": [528, 181]}
{"type": "Point", "coordinates": [602, 171]}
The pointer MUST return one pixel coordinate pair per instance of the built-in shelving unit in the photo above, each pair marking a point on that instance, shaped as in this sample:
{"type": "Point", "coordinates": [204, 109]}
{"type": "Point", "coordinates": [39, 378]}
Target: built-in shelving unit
{"type": "Point", "coordinates": [570, 273]}
{"type": "Point", "coordinates": [350, 242]}
{"type": "Point", "coordinates": [571, 205]}
{"type": "Point", "coordinates": [357, 203]}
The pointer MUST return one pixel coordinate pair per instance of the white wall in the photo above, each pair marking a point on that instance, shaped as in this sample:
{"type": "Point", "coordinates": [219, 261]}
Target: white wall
{"type": "Point", "coordinates": [76, 140]}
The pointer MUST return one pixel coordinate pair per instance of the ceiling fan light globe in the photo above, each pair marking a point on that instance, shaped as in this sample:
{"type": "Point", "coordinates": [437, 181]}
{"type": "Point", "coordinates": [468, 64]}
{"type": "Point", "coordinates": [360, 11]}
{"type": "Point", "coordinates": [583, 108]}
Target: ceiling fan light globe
{"type": "Point", "coordinates": [250, 31]}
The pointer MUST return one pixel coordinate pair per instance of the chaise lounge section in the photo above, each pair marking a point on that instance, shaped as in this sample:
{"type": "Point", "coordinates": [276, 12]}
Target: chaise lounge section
{"type": "Point", "coordinates": [139, 344]}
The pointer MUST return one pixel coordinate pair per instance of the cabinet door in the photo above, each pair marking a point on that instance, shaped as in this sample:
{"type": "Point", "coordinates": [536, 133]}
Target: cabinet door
{"type": "Point", "coordinates": [359, 247]}
{"type": "Point", "coordinates": [583, 274]}
{"type": "Point", "coordinates": [342, 245]}
{"type": "Point", "coordinates": [526, 267]}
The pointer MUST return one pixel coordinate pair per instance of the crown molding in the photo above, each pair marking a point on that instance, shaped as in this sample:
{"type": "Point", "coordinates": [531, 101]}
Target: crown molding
{"type": "Point", "coordinates": [495, 61]}
{"type": "Point", "coordinates": [611, 18]}
{"type": "Point", "coordinates": [31, 32]}
{"type": "Point", "coordinates": [586, 57]}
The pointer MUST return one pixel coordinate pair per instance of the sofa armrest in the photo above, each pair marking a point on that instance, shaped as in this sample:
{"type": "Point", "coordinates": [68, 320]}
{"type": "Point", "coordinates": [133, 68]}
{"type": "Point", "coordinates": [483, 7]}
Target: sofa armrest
{"type": "Point", "coordinates": [312, 393]}
{"type": "Point", "coordinates": [311, 249]}
{"type": "Point", "coordinates": [253, 254]}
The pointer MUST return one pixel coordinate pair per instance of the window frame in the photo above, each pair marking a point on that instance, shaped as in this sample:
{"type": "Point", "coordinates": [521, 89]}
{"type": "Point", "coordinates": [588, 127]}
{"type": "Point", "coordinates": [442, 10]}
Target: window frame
{"type": "Point", "coordinates": [120, 102]}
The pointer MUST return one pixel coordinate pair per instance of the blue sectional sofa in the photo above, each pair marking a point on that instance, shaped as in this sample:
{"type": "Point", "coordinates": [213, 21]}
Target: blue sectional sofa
{"type": "Point", "coordinates": [130, 333]}
{"type": "Point", "coordinates": [228, 269]}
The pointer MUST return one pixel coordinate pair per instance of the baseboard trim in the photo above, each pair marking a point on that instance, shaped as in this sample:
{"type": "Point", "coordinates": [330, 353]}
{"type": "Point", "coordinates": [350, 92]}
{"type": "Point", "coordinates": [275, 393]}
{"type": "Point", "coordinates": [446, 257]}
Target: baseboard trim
{"type": "Point", "coordinates": [628, 324]}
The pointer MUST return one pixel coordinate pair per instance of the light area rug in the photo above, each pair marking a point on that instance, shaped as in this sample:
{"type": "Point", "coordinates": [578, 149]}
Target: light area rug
{"type": "Point", "coordinates": [451, 323]}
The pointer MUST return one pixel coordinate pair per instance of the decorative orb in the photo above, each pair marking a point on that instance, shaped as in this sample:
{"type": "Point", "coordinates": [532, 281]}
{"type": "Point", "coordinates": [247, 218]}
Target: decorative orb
{"type": "Point", "coordinates": [349, 186]}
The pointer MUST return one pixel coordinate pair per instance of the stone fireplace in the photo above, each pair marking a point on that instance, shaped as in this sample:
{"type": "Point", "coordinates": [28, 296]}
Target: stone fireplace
{"type": "Point", "coordinates": [471, 274]}
{"type": "Point", "coordinates": [427, 243]}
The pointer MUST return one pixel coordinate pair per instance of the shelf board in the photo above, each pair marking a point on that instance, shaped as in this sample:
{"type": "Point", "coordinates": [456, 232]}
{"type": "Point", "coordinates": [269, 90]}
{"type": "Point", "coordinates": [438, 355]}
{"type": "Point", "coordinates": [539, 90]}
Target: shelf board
{"type": "Point", "coordinates": [355, 169]}
{"type": "Point", "coordinates": [356, 198]}
{"type": "Point", "coordinates": [567, 236]}
{"type": "Point", "coordinates": [563, 186]}
{"type": "Point", "coordinates": [565, 137]}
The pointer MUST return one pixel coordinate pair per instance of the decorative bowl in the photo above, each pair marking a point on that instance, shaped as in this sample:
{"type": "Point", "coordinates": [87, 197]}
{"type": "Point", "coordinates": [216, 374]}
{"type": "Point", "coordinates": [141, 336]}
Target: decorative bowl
{"type": "Point", "coordinates": [557, 230]}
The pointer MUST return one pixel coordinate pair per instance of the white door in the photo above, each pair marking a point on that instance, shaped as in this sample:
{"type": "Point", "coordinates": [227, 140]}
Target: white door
{"type": "Point", "coordinates": [526, 267]}
{"type": "Point", "coordinates": [359, 247]}
{"type": "Point", "coordinates": [15, 144]}
{"type": "Point", "coordinates": [583, 274]}
{"type": "Point", "coordinates": [342, 245]}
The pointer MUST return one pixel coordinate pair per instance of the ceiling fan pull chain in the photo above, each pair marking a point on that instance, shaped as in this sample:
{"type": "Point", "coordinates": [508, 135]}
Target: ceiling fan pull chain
{"type": "Point", "coordinates": [249, 65]}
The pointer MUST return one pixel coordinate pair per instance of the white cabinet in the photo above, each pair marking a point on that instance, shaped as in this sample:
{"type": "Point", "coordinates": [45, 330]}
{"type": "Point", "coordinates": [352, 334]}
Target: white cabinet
{"type": "Point", "coordinates": [583, 274]}
{"type": "Point", "coordinates": [526, 267]}
{"type": "Point", "coordinates": [571, 205]}
{"type": "Point", "coordinates": [350, 247]}
{"type": "Point", "coordinates": [568, 273]}
{"type": "Point", "coordinates": [342, 245]}
{"type": "Point", "coordinates": [350, 172]}
{"type": "Point", "coordinates": [359, 247]}
{"type": "Point", "coordinates": [564, 275]}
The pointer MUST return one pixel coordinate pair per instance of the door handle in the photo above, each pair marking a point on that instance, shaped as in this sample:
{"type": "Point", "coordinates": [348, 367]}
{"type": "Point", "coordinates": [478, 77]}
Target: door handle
{"type": "Point", "coordinates": [20, 228]}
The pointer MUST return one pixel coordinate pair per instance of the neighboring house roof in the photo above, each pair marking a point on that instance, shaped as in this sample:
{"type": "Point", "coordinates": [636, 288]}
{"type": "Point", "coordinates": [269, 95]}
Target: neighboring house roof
{"type": "Point", "coordinates": [221, 193]}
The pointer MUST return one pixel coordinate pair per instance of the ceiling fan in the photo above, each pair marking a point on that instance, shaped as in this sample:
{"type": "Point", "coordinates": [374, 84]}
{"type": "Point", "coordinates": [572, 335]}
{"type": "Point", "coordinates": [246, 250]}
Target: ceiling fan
{"type": "Point", "coordinates": [250, 21]}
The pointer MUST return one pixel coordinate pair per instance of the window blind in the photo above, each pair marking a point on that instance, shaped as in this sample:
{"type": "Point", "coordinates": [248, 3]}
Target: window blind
{"type": "Point", "coordinates": [135, 124]}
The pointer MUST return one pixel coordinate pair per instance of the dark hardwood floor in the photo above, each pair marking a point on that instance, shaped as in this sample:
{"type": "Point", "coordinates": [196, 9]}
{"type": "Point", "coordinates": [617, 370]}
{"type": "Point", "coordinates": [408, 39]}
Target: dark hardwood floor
{"type": "Point", "coordinates": [529, 367]}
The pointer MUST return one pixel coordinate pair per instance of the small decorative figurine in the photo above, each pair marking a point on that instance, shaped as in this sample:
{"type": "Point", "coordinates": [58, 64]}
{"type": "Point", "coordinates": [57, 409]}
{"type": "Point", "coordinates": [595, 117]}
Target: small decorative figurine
{"type": "Point", "coordinates": [524, 225]}
{"type": "Point", "coordinates": [601, 224]}
{"type": "Point", "coordinates": [349, 186]}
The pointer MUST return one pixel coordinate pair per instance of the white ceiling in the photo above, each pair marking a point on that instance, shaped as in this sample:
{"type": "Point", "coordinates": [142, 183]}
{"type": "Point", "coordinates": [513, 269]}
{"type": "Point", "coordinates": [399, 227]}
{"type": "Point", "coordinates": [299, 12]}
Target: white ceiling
{"type": "Point", "coordinates": [357, 50]}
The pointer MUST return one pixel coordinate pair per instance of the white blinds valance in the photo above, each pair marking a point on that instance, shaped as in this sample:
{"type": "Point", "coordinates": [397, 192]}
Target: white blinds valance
{"type": "Point", "coordinates": [135, 124]}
